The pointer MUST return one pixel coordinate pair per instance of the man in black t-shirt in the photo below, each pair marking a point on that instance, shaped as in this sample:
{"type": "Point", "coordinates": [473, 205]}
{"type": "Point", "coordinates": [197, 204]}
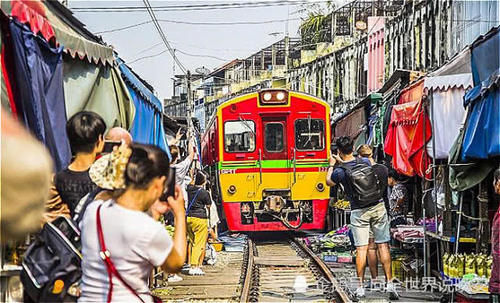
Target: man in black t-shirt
{"type": "Point", "coordinates": [366, 151]}
{"type": "Point", "coordinates": [364, 218]}
{"type": "Point", "coordinates": [86, 138]}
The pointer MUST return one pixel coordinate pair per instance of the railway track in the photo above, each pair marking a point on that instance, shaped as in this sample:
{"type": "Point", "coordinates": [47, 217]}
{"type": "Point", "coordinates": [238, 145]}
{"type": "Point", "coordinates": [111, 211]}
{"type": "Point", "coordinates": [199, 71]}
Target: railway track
{"type": "Point", "coordinates": [278, 270]}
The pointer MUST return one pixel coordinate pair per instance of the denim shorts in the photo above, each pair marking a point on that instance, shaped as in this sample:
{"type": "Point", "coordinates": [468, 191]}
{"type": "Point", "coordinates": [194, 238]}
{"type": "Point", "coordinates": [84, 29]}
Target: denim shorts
{"type": "Point", "coordinates": [374, 219]}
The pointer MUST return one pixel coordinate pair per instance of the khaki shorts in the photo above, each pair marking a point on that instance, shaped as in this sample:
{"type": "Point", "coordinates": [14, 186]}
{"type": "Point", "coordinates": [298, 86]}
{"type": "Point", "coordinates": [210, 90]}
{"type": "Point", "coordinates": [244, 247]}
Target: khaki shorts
{"type": "Point", "coordinates": [370, 222]}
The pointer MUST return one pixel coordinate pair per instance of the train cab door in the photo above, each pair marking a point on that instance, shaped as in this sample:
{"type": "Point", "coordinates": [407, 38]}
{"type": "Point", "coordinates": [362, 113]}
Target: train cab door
{"type": "Point", "coordinates": [275, 152]}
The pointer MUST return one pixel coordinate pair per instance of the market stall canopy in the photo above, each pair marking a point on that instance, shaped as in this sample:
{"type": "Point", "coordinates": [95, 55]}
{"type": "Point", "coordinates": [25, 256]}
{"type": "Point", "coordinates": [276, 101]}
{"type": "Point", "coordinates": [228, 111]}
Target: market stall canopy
{"type": "Point", "coordinates": [351, 125]}
{"type": "Point", "coordinates": [353, 122]}
{"type": "Point", "coordinates": [447, 86]}
{"type": "Point", "coordinates": [481, 139]}
{"type": "Point", "coordinates": [97, 88]}
{"type": "Point", "coordinates": [133, 80]}
{"type": "Point", "coordinates": [56, 23]}
{"type": "Point", "coordinates": [147, 126]}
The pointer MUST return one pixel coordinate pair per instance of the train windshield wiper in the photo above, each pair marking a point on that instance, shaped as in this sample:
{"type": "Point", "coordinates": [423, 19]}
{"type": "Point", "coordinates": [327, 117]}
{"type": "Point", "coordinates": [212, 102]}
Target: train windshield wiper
{"type": "Point", "coordinates": [309, 135]}
{"type": "Point", "coordinates": [245, 123]}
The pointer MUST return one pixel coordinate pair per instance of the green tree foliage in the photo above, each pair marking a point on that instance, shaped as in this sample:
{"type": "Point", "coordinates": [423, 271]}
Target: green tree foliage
{"type": "Point", "coordinates": [316, 26]}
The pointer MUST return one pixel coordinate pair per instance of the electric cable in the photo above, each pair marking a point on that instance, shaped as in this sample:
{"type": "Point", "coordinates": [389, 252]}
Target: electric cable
{"type": "Point", "coordinates": [215, 6]}
{"type": "Point", "coordinates": [196, 23]}
{"type": "Point", "coordinates": [162, 35]}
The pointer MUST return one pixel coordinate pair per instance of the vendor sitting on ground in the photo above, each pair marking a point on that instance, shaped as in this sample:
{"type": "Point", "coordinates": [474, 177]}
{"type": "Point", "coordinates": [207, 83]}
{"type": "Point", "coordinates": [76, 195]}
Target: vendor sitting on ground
{"type": "Point", "coordinates": [398, 199]}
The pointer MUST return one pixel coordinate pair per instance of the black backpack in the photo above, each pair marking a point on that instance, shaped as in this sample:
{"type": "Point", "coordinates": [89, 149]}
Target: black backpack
{"type": "Point", "coordinates": [51, 267]}
{"type": "Point", "coordinates": [365, 184]}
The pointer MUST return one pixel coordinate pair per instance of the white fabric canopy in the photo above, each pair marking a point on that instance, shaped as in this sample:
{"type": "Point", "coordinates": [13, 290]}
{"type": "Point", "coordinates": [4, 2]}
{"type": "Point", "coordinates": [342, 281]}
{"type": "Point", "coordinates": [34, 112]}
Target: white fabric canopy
{"type": "Point", "coordinates": [449, 116]}
{"type": "Point", "coordinates": [449, 81]}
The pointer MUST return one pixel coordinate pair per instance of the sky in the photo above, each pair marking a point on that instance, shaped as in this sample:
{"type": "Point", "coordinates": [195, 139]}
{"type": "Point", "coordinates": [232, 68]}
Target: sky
{"type": "Point", "coordinates": [226, 42]}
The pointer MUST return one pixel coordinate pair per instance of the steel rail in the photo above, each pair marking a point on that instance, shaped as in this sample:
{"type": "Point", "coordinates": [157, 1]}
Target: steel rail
{"type": "Point", "coordinates": [247, 283]}
{"type": "Point", "coordinates": [326, 271]}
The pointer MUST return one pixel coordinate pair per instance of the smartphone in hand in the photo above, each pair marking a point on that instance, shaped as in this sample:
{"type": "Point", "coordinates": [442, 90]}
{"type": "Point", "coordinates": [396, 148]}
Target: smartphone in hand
{"type": "Point", "coordinates": [109, 145]}
{"type": "Point", "coordinates": [169, 190]}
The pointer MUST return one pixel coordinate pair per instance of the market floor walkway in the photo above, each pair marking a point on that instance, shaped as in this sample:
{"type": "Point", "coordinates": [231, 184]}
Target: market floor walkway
{"type": "Point", "coordinates": [220, 283]}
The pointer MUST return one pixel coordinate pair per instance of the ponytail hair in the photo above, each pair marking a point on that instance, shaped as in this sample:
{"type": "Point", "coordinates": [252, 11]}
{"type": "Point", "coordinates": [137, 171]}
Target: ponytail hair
{"type": "Point", "coordinates": [146, 162]}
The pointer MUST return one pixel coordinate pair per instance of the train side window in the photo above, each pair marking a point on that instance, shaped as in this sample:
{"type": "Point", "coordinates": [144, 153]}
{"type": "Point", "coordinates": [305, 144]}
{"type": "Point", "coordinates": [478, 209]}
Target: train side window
{"type": "Point", "coordinates": [239, 136]}
{"type": "Point", "coordinates": [309, 134]}
{"type": "Point", "coordinates": [274, 137]}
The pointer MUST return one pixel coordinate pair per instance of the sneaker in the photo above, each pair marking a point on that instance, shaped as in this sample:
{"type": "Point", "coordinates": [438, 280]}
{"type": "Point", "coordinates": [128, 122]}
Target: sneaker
{"type": "Point", "coordinates": [196, 271]}
{"type": "Point", "coordinates": [360, 292]}
{"type": "Point", "coordinates": [391, 289]}
{"type": "Point", "coordinates": [200, 271]}
{"type": "Point", "coordinates": [174, 278]}
{"type": "Point", "coordinates": [185, 269]}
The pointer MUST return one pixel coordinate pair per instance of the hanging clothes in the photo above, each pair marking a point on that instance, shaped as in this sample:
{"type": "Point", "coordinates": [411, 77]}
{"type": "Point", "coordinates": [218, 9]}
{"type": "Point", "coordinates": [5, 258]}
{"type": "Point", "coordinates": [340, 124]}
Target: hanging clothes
{"type": "Point", "coordinates": [39, 80]}
{"type": "Point", "coordinates": [408, 133]}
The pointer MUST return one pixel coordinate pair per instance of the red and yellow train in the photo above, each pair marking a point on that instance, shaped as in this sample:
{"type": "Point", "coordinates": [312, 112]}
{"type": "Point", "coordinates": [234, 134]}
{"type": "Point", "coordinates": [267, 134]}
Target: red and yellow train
{"type": "Point", "coordinates": [267, 154]}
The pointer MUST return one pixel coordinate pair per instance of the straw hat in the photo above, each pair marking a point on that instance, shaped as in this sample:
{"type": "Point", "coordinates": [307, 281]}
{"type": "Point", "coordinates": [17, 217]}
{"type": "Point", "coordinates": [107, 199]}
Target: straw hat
{"type": "Point", "coordinates": [108, 172]}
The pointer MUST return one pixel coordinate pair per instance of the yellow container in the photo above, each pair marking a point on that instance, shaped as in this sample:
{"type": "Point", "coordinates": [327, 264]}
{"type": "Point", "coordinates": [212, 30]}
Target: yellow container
{"type": "Point", "coordinates": [218, 246]}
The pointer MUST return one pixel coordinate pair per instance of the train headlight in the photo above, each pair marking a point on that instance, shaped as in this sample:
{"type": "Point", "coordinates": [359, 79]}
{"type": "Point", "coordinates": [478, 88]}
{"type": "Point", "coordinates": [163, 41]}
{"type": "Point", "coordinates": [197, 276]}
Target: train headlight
{"type": "Point", "coordinates": [280, 96]}
{"type": "Point", "coordinates": [231, 189]}
{"type": "Point", "coordinates": [320, 187]}
{"type": "Point", "coordinates": [267, 96]}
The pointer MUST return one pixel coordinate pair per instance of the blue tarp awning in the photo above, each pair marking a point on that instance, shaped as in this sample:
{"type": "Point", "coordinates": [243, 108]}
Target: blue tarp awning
{"type": "Point", "coordinates": [148, 124]}
{"type": "Point", "coordinates": [482, 133]}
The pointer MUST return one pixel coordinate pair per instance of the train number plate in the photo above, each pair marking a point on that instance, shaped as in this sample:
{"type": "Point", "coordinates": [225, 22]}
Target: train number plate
{"type": "Point", "coordinates": [228, 171]}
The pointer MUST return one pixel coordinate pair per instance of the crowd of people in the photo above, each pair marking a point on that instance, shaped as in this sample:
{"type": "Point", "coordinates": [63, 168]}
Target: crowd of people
{"type": "Point", "coordinates": [121, 236]}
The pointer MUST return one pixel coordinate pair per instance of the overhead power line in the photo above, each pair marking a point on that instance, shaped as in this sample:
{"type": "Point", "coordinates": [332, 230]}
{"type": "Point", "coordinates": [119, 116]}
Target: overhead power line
{"type": "Point", "coordinates": [203, 56]}
{"type": "Point", "coordinates": [162, 35]}
{"type": "Point", "coordinates": [197, 23]}
{"type": "Point", "coordinates": [217, 6]}
{"type": "Point", "coordinates": [179, 51]}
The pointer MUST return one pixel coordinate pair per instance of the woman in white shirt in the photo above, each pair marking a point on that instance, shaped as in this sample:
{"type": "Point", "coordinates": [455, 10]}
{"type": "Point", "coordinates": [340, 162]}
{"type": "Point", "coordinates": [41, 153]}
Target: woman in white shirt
{"type": "Point", "coordinates": [136, 242]}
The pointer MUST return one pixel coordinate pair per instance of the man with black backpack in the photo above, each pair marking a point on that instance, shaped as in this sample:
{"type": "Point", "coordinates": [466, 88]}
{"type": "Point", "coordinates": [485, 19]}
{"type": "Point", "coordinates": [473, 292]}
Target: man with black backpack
{"type": "Point", "coordinates": [363, 188]}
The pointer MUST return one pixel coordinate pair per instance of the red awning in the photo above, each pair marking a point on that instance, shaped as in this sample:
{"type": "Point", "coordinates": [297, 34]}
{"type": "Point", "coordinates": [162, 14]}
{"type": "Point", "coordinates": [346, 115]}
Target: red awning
{"type": "Point", "coordinates": [408, 133]}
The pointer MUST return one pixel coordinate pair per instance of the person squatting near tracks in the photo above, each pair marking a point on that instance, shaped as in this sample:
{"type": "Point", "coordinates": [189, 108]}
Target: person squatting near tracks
{"type": "Point", "coordinates": [136, 242]}
{"type": "Point", "coordinates": [367, 209]}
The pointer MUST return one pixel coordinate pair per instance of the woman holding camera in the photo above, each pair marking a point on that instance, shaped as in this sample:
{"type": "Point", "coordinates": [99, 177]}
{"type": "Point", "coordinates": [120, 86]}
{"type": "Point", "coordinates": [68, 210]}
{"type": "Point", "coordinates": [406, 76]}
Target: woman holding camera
{"type": "Point", "coordinates": [121, 242]}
